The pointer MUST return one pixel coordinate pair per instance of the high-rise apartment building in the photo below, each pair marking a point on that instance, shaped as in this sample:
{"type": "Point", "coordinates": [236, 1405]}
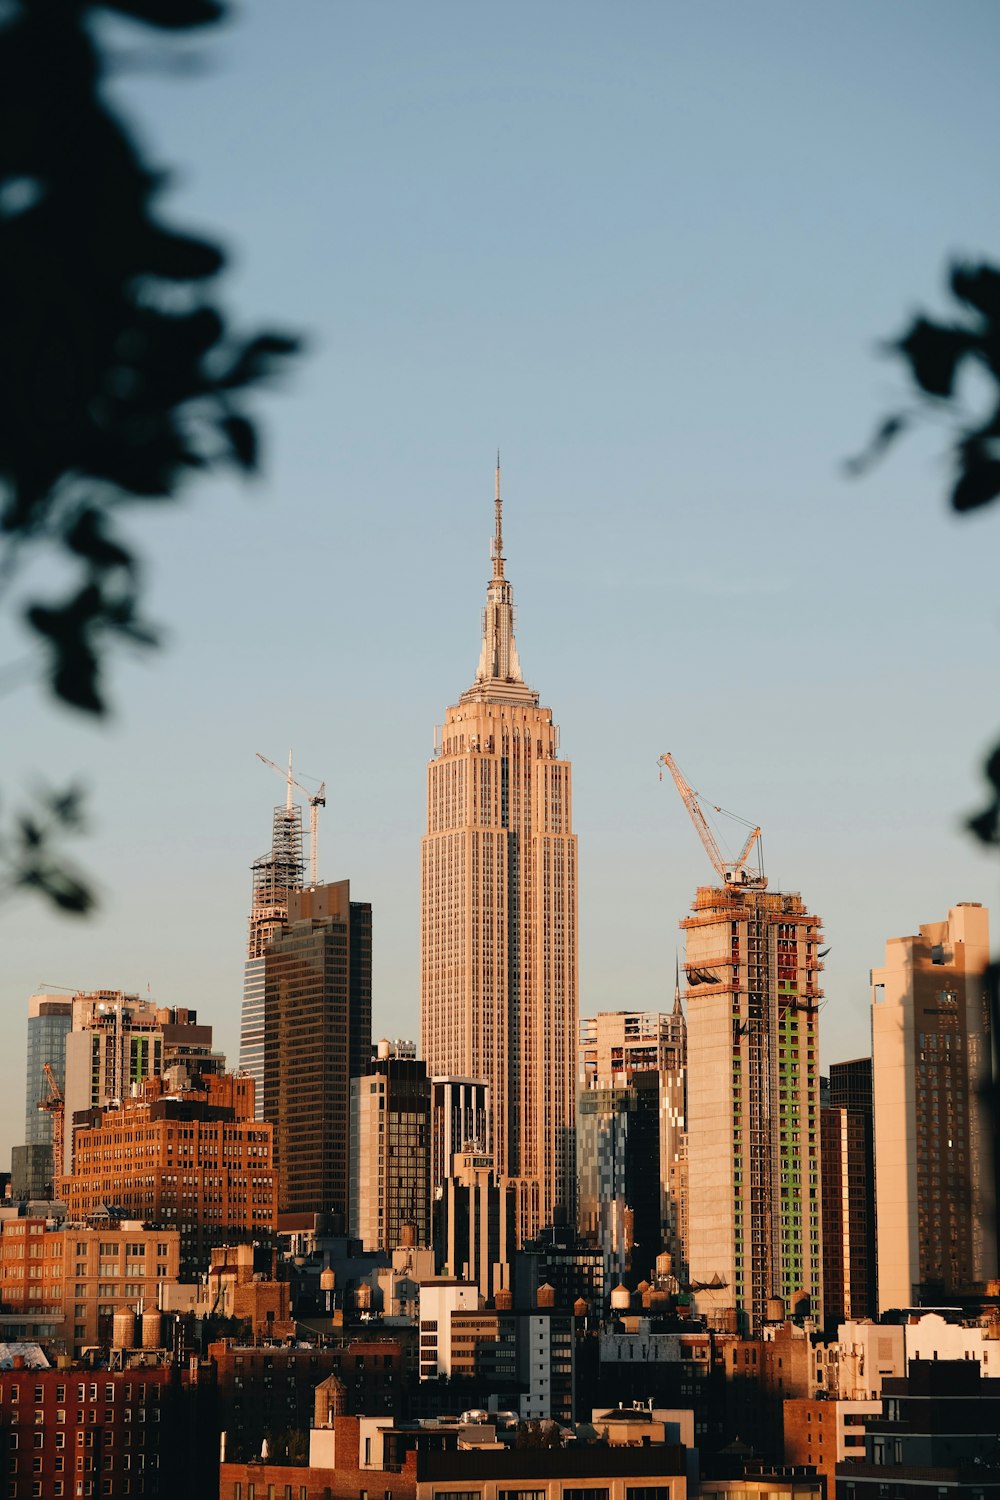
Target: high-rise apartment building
{"type": "Point", "coordinates": [275, 875]}
{"type": "Point", "coordinates": [754, 1230]}
{"type": "Point", "coordinates": [934, 1140]}
{"type": "Point", "coordinates": [499, 915]}
{"type": "Point", "coordinates": [391, 1149]}
{"type": "Point", "coordinates": [850, 1276]}
{"type": "Point", "coordinates": [317, 1036]}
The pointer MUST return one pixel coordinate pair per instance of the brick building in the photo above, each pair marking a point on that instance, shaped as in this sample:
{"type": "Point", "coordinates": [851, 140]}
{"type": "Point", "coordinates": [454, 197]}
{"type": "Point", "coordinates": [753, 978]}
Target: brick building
{"type": "Point", "coordinates": [80, 1276]}
{"type": "Point", "coordinates": [272, 1388]}
{"type": "Point", "coordinates": [84, 1433]}
{"type": "Point", "coordinates": [197, 1162]}
{"type": "Point", "coordinates": [824, 1433]}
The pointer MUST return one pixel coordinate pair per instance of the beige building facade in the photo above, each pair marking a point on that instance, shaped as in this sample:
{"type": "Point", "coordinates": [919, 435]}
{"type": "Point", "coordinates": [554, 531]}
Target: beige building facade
{"type": "Point", "coordinates": [754, 1228]}
{"type": "Point", "coordinates": [936, 1203]}
{"type": "Point", "coordinates": [499, 979]}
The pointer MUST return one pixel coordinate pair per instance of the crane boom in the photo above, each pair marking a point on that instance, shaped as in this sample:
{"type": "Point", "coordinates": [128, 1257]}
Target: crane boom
{"type": "Point", "coordinates": [730, 872]}
{"type": "Point", "coordinates": [316, 800]}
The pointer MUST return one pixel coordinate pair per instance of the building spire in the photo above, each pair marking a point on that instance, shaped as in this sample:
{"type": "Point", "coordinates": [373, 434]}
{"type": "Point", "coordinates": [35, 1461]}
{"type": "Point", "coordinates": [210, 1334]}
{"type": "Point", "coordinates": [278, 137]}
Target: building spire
{"type": "Point", "coordinates": [497, 549]}
{"type": "Point", "coordinates": [498, 660]}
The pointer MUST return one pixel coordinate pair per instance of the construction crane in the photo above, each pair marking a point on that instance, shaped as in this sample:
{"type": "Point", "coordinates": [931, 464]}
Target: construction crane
{"type": "Point", "coordinates": [55, 1105]}
{"type": "Point", "coordinates": [316, 800]}
{"type": "Point", "coordinates": [731, 872]}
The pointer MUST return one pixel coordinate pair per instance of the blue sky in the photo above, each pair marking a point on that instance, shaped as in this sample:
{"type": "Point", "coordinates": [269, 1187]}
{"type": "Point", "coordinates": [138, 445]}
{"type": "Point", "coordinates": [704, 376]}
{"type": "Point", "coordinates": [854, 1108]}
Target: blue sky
{"type": "Point", "coordinates": [649, 250]}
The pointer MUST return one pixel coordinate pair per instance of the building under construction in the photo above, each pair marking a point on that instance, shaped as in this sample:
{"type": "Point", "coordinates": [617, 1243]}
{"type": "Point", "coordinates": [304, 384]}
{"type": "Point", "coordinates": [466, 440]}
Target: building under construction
{"type": "Point", "coordinates": [752, 963]}
{"type": "Point", "coordinates": [275, 876]}
{"type": "Point", "coordinates": [754, 1221]}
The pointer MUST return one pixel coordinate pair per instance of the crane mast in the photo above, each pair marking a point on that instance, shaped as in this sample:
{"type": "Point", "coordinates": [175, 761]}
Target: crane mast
{"type": "Point", "coordinates": [730, 872]}
{"type": "Point", "coordinates": [316, 800]}
{"type": "Point", "coordinates": [55, 1105]}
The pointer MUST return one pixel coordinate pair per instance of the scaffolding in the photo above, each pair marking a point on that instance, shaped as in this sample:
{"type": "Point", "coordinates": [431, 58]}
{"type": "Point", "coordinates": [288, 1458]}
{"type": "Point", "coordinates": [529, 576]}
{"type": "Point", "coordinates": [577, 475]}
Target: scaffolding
{"type": "Point", "coordinates": [275, 876]}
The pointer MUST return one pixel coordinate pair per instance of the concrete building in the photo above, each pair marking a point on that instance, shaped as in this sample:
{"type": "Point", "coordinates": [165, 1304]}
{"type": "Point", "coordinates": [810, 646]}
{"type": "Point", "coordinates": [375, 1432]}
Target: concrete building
{"type": "Point", "coordinates": [440, 1301]}
{"type": "Point", "coordinates": [867, 1354]}
{"type": "Point", "coordinates": [318, 1008]}
{"type": "Point", "coordinates": [275, 874]}
{"type": "Point", "coordinates": [499, 980]}
{"type": "Point", "coordinates": [631, 1041]}
{"type": "Point", "coordinates": [934, 1140]}
{"type": "Point", "coordinates": [197, 1161]}
{"type": "Point", "coordinates": [753, 1137]}
{"type": "Point", "coordinates": [118, 1041]}
{"type": "Point", "coordinates": [390, 1149]}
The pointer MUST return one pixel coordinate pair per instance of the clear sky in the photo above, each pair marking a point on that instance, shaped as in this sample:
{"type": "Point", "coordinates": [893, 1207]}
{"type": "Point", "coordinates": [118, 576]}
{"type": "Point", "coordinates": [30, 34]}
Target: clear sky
{"type": "Point", "coordinates": [649, 250]}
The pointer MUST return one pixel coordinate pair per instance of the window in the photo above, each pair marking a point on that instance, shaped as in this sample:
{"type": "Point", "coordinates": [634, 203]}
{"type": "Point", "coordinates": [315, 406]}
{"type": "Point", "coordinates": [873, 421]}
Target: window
{"type": "Point", "coordinates": [584, 1494]}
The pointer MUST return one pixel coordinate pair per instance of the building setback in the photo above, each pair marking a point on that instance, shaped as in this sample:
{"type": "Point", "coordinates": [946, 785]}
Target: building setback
{"type": "Point", "coordinates": [934, 1140]}
{"type": "Point", "coordinates": [198, 1162]}
{"type": "Point", "coordinates": [390, 1150]}
{"type": "Point", "coordinates": [275, 874]}
{"type": "Point", "coordinates": [499, 915]}
{"type": "Point", "coordinates": [317, 1036]}
{"type": "Point", "coordinates": [754, 1231]}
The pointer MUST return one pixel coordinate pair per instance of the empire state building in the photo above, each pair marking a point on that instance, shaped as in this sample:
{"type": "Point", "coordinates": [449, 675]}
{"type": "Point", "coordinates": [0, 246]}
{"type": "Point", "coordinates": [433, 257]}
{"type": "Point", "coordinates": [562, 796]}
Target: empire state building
{"type": "Point", "coordinates": [499, 915]}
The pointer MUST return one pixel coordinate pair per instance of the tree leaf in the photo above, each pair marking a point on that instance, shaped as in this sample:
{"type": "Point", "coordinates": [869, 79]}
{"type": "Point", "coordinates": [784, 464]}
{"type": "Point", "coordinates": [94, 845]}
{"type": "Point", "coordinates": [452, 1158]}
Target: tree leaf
{"type": "Point", "coordinates": [242, 440]}
{"type": "Point", "coordinates": [979, 286]}
{"type": "Point", "coordinates": [978, 485]}
{"type": "Point", "coordinates": [934, 352]}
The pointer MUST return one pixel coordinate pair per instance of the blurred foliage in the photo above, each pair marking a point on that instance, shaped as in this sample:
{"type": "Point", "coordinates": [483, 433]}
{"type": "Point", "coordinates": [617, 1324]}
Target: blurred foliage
{"type": "Point", "coordinates": [119, 375]}
{"type": "Point", "coordinates": [938, 354]}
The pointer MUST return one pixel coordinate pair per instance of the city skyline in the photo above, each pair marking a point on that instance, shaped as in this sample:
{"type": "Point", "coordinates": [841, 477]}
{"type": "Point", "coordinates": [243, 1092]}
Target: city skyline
{"type": "Point", "coordinates": [665, 309]}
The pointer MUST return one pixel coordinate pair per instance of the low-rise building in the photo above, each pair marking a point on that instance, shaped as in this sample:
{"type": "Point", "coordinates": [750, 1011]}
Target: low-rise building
{"type": "Point", "coordinates": [824, 1433]}
{"type": "Point", "coordinates": [78, 1276]}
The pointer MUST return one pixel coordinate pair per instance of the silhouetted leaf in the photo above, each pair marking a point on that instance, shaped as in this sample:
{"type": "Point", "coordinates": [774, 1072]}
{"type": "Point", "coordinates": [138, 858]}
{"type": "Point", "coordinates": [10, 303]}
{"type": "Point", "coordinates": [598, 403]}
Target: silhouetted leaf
{"type": "Point", "coordinates": [984, 824]}
{"type": "Point", "coordinates": [173, 15]}
{"type": "Point", "coordinates": [979, 286]}
{"type": "Point", "coordinates": [884, 434]}
{"type": "Point", "coordinates": [243, 441]}
{"type": "Point", "coordinates": [87, 537]}
{"type": "Point", "coordinates": [934, 353]}
{"type": "Point", "coordinates": [977, 486]}
{"type": "Point", "coordinates": [259, 359]}
{"type": "Point", "coordinates": [180, 258]}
